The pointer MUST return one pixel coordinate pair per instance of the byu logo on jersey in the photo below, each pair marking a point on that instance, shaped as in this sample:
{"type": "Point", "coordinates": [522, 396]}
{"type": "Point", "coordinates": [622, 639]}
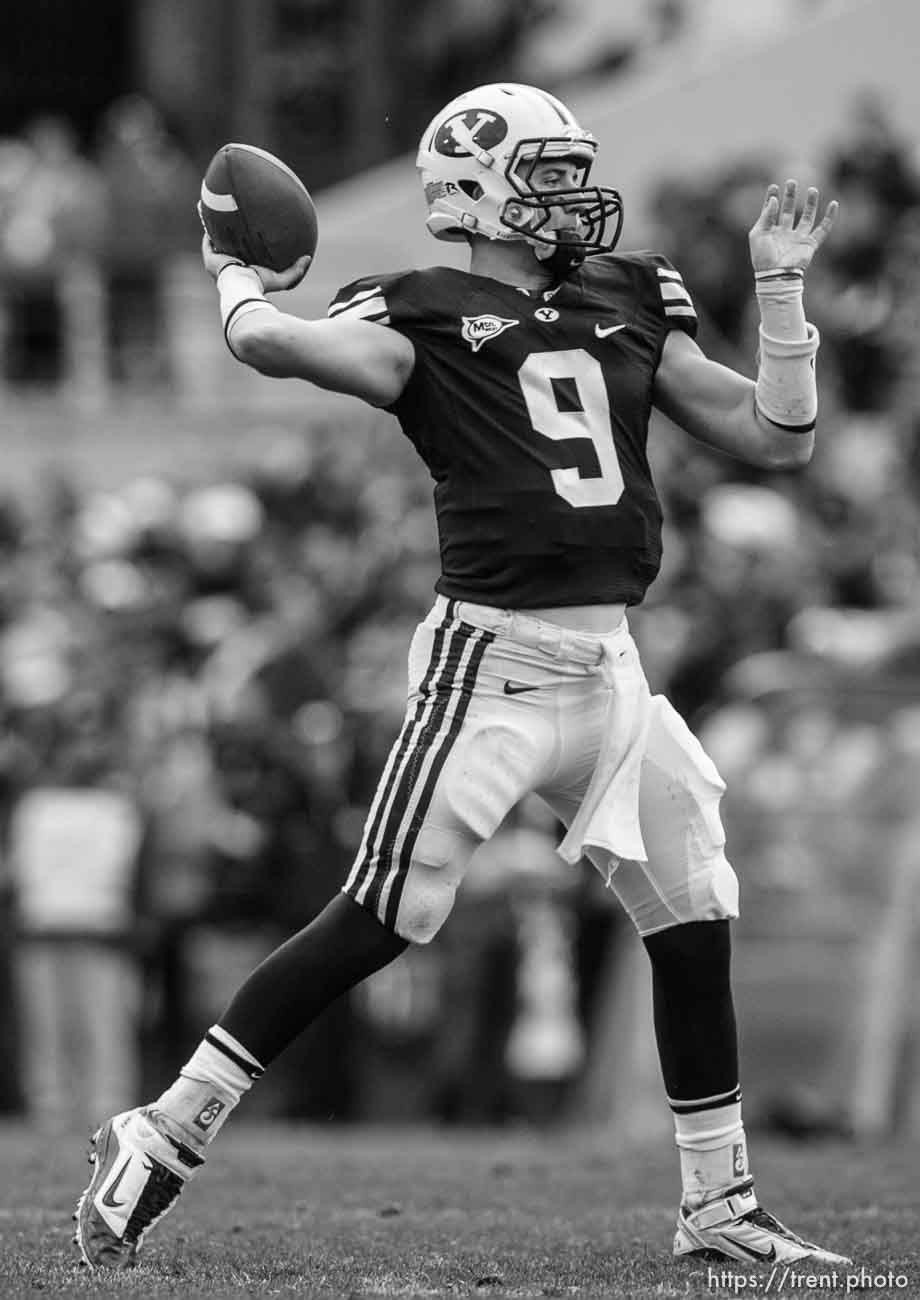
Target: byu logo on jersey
{"type": "Point", "coordinates": [546, 314]}
{"type": "Point", "coordinates": [466, 133]}
{"type": "Point", "coordinates": [479, 329]}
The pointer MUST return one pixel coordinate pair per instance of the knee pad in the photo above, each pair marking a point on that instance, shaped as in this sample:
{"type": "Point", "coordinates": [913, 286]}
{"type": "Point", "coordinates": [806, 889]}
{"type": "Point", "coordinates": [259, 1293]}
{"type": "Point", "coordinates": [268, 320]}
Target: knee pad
{"type": "Point", "coordinates": [713, 891]}
{"type": "Point", "coordinates": [439, 860]}
{"type": "Point", "coordinates": [707, 893]}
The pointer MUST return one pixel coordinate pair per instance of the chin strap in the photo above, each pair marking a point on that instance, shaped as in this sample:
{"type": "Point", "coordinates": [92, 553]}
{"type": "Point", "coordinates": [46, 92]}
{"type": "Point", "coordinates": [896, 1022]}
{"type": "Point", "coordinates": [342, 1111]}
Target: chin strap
{"type": "Point", "coordinates": [561, 257]}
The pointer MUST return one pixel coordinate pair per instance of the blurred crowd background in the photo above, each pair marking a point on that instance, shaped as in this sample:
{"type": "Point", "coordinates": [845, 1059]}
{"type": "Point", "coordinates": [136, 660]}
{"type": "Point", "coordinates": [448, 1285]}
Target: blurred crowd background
{"type": "Point", "coordinates": [201, 673]}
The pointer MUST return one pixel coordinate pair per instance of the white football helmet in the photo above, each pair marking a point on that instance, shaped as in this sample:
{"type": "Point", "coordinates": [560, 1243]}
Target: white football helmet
{"type": "Point", "coordinates": [477, 158]}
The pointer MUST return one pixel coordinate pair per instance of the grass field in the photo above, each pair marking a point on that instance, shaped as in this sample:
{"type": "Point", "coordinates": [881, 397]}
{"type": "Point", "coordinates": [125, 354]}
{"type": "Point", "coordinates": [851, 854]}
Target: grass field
{"type": "Point", "coordinates": [337, 1212]}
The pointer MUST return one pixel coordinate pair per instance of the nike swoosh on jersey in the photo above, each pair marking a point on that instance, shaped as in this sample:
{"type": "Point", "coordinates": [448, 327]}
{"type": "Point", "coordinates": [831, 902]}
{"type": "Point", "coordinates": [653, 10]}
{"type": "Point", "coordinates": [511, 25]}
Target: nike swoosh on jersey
{"type": "Point", "coordinates": [602, 333]}
{"type": "Point", "coordinates": [109, 1194]}
{"type": "Point", "coordinates": [511, 688]}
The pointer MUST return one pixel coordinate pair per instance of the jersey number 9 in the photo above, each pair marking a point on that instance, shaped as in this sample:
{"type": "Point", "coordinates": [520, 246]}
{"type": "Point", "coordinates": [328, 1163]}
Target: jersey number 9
{"type": "Point", "coordinates": [592, 421]}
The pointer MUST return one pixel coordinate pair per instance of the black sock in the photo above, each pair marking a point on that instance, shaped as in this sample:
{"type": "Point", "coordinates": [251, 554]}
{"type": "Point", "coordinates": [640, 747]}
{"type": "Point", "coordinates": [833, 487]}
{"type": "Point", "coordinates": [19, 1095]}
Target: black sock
{"type": "Point", "coordinates": [694, 1011]}
{"type": "Point", "coordinates": [341, 947]}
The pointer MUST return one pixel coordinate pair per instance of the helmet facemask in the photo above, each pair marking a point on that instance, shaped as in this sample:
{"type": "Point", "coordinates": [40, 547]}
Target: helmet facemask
{"type": "Point", "coordinates": [574, 221]}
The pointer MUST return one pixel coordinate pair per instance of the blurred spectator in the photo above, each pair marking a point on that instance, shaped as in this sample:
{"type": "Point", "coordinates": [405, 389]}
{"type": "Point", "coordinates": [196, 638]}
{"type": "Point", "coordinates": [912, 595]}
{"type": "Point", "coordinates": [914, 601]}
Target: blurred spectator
{"type": "Point", "coordinates": [150, 186]}
{"type": "Point", "coordinates": [185, 814]}
{"type": "Point", "coordinates": [75, 844]}
{"type": "Point", "coordinates": [877, 180]}
{"type": "Point", "coordinates": [52, 220]}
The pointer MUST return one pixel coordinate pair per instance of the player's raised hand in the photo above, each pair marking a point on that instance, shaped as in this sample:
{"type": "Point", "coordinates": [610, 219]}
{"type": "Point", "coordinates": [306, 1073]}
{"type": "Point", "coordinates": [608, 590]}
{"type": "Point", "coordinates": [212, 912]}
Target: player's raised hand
{"type": "Point", "coordinates": [780, 242]}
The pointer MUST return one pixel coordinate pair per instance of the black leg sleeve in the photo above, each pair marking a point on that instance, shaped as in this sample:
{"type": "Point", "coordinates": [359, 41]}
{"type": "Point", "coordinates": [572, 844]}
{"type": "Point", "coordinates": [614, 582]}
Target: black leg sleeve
{"type": "Point", "coordinates": [694, 1011]}
{"type": "Point", "coordinates": [338, 949]}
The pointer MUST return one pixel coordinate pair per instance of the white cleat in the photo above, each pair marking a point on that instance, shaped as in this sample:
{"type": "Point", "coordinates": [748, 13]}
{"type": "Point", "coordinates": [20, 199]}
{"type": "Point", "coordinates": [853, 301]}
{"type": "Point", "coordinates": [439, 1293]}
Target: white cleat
{"type": "Point", "coordinates": [139, 1172]}
{"type": "Point", "coordinates": [733, 1226]}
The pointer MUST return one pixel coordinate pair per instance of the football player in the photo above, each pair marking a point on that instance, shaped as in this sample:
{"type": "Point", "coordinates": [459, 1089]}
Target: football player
{"type": "Point", "coordinates": [526, 385]}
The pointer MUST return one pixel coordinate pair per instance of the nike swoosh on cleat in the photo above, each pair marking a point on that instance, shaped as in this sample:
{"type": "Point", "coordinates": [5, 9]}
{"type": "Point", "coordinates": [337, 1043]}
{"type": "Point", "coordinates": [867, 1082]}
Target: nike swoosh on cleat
{"type": "Point", "coordinates": [602, 333]}
{"type": "Point", "coordinates": [511, 689]}
{"type": "Point", "coordinates": [109, 1195]}
{"type": "Point", "coordinates": [763, 1256]}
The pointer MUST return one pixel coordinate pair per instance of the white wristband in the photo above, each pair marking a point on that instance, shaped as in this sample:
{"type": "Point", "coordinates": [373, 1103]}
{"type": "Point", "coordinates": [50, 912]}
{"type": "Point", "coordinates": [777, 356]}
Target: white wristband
{"type": "Point", "coordinates": [780, 299]}
{"type": "Point", "coordinates": [241, 292]}
{"type": "Point", "coordinates": [786, 391]}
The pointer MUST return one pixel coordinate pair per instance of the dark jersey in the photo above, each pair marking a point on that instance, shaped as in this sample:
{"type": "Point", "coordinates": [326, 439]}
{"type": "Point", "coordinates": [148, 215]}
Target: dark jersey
{"type": "Point", "coordinates": [531, 409]}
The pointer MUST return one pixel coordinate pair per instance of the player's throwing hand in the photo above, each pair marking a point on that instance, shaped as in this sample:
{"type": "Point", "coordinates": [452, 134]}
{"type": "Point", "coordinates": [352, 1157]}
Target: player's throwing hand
{"type": "Point", "coordinates": [777, 241]}
{"type": "Point", "coordinates": [272, 281]}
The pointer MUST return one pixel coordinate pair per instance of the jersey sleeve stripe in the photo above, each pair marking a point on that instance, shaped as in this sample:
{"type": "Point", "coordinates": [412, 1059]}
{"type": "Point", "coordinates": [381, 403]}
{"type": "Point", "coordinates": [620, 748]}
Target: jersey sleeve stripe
{"type": "Point", "coordinates": [337, 307]}
{"type": "Point", "coordinates": [679, 309]}
{"type": "Point", "coordinates": [370, 309]}
{"type": "Point", "coordinates": [671, 289]}
{"type": "Point", "coordinates": [666, 274]}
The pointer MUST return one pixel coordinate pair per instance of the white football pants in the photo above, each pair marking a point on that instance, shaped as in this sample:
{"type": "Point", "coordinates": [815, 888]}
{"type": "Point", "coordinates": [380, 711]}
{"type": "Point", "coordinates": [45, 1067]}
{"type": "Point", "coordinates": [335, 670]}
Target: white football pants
{"type": "Point", "coordinates": [502, 705]}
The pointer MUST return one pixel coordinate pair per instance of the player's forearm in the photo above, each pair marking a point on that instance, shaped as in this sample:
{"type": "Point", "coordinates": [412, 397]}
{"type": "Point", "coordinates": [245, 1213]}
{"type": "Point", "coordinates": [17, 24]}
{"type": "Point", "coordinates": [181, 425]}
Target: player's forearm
{"type": "Point", "coordinates": [747, 433]}
{"type": "Point", "coordinates": [732, 422]}
{"type": "Point", "coordinates": [744, 433]}
{"type": "Point", "coordinates": [261, 336]}
{"type": "Point", "coordinates": [786, 393]}
{"type": "Point", "coordinates": [717, 406]}
{"type": "Point", "coordinates": [775, 420]}
{"type": "Point", "coordinates": [784, 448]}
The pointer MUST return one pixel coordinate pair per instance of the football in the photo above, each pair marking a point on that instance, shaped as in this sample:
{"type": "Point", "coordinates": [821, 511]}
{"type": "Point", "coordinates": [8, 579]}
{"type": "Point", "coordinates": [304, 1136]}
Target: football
{"type": "Point", "coordinates": [255, 208]}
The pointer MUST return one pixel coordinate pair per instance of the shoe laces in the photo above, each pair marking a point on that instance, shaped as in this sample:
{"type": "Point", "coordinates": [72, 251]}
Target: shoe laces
{"type": "Point", "coordinates": [162, 1188]}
